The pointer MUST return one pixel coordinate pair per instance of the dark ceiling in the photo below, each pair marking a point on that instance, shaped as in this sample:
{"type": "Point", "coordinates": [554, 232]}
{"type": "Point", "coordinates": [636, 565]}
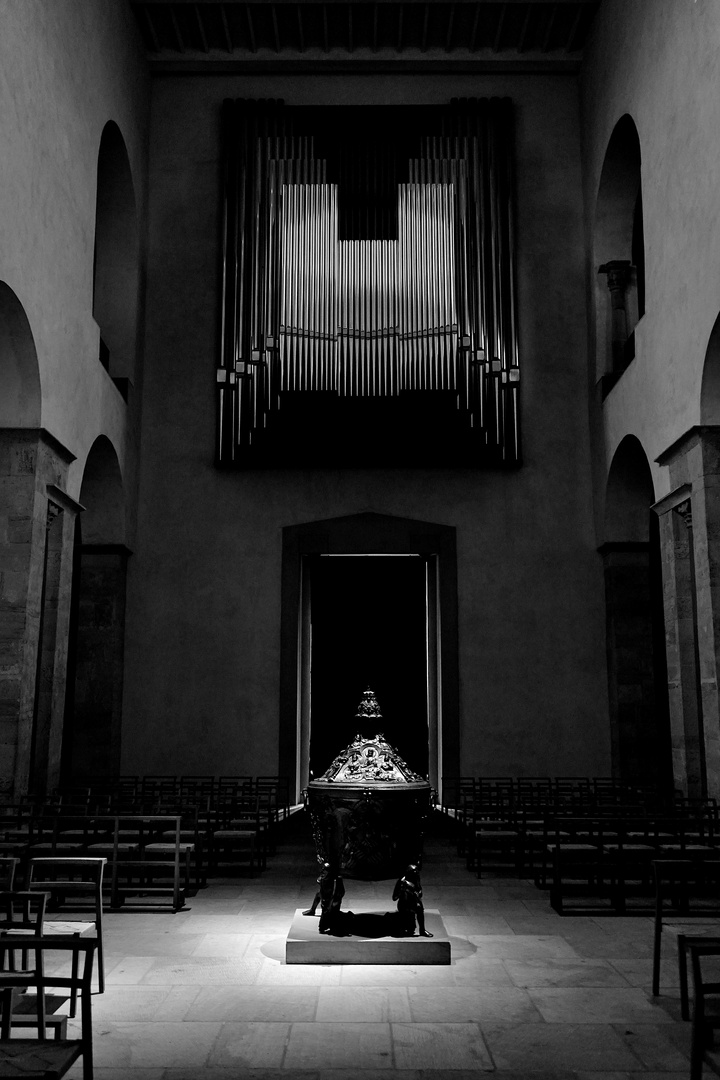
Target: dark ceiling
{"type": "Point", "coordinates": [520, 33]}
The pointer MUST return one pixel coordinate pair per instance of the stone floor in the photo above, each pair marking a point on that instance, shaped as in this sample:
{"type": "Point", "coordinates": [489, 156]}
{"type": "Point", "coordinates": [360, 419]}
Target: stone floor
{"type": "Point", "coordinates": [206, 992]}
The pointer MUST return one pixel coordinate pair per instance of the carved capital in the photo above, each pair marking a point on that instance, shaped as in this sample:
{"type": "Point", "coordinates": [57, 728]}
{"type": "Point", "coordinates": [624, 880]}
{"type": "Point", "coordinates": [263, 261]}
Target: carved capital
{"type": "Point", "coordinates": [684, 509]}
{"type": "Point", "coordinates": [618, 274]}
{"type": "Point", "coordinates": [53, 512]}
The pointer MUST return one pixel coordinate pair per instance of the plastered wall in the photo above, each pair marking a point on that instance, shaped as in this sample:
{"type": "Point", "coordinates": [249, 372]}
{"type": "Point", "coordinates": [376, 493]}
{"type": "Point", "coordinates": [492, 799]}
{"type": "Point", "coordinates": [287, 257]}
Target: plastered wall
{"type": "Point", "coordinates": [203, 643]}
{"type": "Point", "coordinates": [658, 61]}
{"type": "Point", "coordinates": [66, 68]}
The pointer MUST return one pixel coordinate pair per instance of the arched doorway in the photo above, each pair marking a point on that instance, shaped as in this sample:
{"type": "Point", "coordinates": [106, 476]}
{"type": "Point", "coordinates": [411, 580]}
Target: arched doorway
{"type": "Point", "coordinates": [91, 744]}
{"type": "Point", "coordinates": [637, 672]}
{"type": "Point", "coordinates": [368, 628]}
{"type": "Point", "coordinates": [404, 574]}
{"type": "Point", "coordinates": [22, 543]}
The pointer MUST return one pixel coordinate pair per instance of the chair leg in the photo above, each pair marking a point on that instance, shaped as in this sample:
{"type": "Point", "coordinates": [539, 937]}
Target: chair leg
{"type": "Point", "coordinates": [683, 977]}
{"type": "Point", "coordinates": [697, 1049]}
{"type": "Point", "coordinates": [73, 991]}
{"type": "Point", "coordinates": [657, 946]}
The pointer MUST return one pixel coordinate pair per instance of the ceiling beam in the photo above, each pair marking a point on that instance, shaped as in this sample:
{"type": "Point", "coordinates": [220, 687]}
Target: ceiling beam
{"type": "Point", "coordinates": [370, 67]}
{"type": "Point", "coordinates": [348, 3]}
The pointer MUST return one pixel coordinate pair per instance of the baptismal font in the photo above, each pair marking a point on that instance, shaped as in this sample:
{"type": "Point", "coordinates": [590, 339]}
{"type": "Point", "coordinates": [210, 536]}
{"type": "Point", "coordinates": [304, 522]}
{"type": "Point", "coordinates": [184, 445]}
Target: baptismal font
{"type": "Point", "coordinates": [367, 812]}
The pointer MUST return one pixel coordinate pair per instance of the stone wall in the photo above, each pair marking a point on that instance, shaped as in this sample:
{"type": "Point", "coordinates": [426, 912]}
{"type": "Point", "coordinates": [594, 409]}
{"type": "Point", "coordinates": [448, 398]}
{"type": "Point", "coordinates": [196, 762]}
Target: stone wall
{"type": "Point", "coordinates": [203, 645]}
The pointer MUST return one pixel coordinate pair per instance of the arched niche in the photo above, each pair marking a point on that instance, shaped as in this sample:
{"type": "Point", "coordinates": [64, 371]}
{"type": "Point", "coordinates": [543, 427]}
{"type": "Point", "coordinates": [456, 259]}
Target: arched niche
{"type": "Point", "coordinates": [635, 628]}
{"type": "Point", "coordinates": [619, 250]}
{"type": "Point", "coordinates": [103, 521]}
{"type": "Point", "coordinates": [629, 495]}
{"type": "Point", "coordinates": [710, 389]}
{"type": "Point", "coordinates": [91, 742]}
{"type": "Point", "coordinates": [20, 399]}
{"type": "Point", "coordinates": [117, 256]}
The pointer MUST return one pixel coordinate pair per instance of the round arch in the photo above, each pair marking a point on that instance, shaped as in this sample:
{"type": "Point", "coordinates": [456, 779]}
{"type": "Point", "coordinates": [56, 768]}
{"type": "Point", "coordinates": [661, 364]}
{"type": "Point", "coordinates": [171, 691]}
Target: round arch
{"type": "Point", "coordinates": [20, 397]}
{"type": "Point", "coordinates": [102, 495]}
{"type": "Point", "coordinates": [629, 494]}
{"type": "Point", "coordinates": [92, 735]}
{"type": "Point", "coordinates": [710, 386]}
{"type": "Point", "coordinates": [618, 193]}
{"type": "Point", "coordinates": [619, 248]}
{"type": "Point", "coordinates": [117, 256]}
{"type": "Point", "coordinates": [635, 634]}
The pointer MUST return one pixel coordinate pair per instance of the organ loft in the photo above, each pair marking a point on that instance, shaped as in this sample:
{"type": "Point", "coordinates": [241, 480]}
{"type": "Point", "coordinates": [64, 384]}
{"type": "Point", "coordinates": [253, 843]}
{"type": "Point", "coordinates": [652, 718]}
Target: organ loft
{"type": "Point", "coordinates": [358, 344]}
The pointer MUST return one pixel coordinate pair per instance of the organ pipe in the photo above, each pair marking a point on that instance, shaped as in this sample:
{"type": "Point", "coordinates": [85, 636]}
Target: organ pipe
{"type": "Point", "coordinates": [432, 311]}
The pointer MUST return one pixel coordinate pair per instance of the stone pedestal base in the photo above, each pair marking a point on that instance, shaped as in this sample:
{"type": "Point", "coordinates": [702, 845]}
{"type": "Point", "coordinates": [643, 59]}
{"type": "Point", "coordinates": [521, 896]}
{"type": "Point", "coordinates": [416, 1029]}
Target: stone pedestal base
{"type": "Point", "coordinates": [306, 946]}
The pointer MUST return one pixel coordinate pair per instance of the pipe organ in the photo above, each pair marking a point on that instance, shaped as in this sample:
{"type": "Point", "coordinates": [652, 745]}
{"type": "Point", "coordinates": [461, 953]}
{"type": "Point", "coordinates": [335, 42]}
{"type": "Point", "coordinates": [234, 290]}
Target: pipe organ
{"type": "Point", "coordinates": [368, 285]}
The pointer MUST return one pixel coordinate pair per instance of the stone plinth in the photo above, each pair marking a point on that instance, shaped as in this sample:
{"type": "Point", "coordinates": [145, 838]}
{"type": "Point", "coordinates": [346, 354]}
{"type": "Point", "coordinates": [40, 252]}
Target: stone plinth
{"type": "Point", "coordinates": [305, 945]}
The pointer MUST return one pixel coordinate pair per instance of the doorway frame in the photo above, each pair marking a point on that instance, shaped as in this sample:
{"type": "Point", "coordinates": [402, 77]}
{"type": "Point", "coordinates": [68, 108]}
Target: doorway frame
{"type": "Point", "coordinates": [370, 534]}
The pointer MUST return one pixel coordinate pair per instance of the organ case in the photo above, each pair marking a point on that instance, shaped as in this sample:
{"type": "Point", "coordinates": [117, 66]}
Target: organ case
{"type": "Point", "coordinates": [368, 285]}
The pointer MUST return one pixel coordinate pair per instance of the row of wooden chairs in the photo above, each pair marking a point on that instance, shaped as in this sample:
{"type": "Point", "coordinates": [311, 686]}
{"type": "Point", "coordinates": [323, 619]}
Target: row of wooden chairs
{"type": "Point", "coordinates": [582, 794]}
{"type": "Point", "coordinates": [608, 859]}
{"type": "Point", "coordinates": [222, 822]}
{"type": "Point", "coordinates": [148, 855]}
{"type": "Point", "coordinates": [124, 793]}
{"type": "Point", "coordinates": [181, 843]}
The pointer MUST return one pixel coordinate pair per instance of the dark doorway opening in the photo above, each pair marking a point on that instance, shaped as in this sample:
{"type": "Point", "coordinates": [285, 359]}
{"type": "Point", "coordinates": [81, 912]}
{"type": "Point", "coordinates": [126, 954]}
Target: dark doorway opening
{"type": "Point", "coordinates": [372, 536]}
{"type": "Point", "coordinates": [369, 628]}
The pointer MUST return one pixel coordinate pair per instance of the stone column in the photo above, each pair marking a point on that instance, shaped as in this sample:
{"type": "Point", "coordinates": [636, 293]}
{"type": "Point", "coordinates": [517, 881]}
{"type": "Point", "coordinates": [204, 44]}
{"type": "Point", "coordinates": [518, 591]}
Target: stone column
{"type": "Point", "coordinates": [694, 463]}
{"type": "Point", "coordinates": [704, 463]}
{"type": "Point", "coordinates": [33, 471]}
{"type": "Point", "coordinates": [618, 279]}
{"type": "Point", "coordinates": [681, 651]}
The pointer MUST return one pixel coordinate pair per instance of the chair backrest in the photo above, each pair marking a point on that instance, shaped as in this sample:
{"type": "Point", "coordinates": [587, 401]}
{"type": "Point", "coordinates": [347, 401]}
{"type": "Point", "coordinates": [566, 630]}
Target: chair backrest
{"type": "Point", "coordinates": [22, 911]}
{"type": "Point", "coordinates": [67, 873]}
{"type": "Point", "coordinates": [8, 866]}
{"type": "Point", "coordinates": [704, 985]}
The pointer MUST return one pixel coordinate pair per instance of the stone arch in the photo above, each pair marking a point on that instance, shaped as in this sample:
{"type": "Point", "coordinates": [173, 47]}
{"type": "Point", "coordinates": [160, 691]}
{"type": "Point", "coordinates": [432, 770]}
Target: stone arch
{"type": "Point", "coordinates": [91, 745]}
{"type": "Point", "coordinates": [102, 495]}
{"type": "Point", "coordinates": [619, 250]}
{"type": "Point", "coordinates": [710, 387]}
{"type": "Point", "coordinates": [117, 257]}
{"type": "Point", "coordinates": [629, 494]}
{"type": "Point", "coordinates": [20, 398]}
{"type": "Point", "coordinates": [635, 634]}
{"type": "Point", "coordinates": [26, 461]}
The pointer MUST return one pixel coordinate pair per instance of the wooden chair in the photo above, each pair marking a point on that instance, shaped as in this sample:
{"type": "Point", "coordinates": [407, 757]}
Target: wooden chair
{"type": "Point", "coordinates": [74, 883]}
{"type": "Point", "coordinates": [706, 1003]}
{"type": "Point", "coordinates": [21, 916]}
{"type": "Point", "coordinates": [684, 889]}
{"type": "Point", "coordinates": [237, 829]}
{"type": "Point", "coordinates": [149, 859]}
{"type": "Point", "coordinates": [39, 1057]}
{"type": "Point", "coordinates": [22, 922]}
